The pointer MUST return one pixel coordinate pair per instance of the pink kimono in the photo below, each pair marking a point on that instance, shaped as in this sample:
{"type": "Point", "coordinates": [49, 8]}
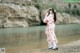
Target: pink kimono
{"type": "Point", "coordinates": [50, 30]}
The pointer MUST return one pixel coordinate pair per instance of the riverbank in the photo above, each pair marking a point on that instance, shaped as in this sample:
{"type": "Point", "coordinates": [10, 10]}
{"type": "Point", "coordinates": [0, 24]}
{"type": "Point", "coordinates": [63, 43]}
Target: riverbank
{"type": "Point", "coordinates": [72, 47]}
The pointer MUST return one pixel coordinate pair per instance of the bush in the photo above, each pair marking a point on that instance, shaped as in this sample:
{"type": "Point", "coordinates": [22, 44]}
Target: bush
{"type": "Point", "coordinates": [37, 6]}
{"type": "Point", "coordinates": [23, 4]}
{"type": "Point", "coordinates": [72, 10]}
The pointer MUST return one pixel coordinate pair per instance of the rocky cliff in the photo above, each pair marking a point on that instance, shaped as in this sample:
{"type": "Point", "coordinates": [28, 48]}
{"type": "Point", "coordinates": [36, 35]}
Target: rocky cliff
{"type": "Point", "coordinates": [64, 18]}
{"type": "Point", "coordinates": [12, 15]}
{"type": "Point", "coordinates": [25, 13]}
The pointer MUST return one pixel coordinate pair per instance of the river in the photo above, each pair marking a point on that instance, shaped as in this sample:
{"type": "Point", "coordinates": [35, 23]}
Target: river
{"type": "Point", "coordinates": [14, 40]}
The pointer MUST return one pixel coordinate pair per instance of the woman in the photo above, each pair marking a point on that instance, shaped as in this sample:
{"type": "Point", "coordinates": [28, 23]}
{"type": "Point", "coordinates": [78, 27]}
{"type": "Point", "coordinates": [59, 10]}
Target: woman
{"type": "Point", "coordinates": [50, 19]}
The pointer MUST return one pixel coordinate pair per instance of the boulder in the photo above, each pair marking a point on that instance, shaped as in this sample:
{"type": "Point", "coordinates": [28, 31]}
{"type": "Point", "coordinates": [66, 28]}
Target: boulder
{"type": "Point", "coordinates": [12, 15]}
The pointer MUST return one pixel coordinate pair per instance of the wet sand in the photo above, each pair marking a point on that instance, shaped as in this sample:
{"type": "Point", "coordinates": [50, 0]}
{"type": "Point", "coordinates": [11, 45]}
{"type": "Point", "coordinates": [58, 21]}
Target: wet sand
{"type": "Point", "coordinates": [72, 47]}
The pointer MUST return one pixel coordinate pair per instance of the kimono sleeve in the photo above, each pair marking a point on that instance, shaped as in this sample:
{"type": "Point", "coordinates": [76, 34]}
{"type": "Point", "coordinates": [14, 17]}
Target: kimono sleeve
{"type": "Point", "coordinates": [45, 19]}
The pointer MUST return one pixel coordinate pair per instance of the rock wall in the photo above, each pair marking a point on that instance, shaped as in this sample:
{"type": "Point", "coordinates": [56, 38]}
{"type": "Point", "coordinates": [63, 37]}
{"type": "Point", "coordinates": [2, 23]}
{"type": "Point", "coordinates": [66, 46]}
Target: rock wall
{"type": "Point", "coordinates": [24, 13]}
{"type": "Point", "coordinates": [67, 19]}
{"type": "Point", "coordinates": [64, 18]}
{"type": "Point", "coordinates": [12, 15]}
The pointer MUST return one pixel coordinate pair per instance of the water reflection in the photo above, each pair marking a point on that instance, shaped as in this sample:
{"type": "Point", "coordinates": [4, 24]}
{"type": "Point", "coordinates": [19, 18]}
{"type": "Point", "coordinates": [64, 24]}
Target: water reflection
{"type": "Point", "coordinates": [34, 37]}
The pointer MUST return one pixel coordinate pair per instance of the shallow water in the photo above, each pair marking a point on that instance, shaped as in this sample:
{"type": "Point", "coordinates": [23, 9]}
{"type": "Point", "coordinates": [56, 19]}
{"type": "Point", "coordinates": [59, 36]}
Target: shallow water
{"type": "Point", "coordinates": [15, 40]}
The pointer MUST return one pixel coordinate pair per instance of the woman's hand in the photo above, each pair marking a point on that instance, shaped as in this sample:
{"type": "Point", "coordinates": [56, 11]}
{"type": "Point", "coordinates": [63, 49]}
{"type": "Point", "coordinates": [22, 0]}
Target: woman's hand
{"type": "Point", "coordinates": [46, 21]}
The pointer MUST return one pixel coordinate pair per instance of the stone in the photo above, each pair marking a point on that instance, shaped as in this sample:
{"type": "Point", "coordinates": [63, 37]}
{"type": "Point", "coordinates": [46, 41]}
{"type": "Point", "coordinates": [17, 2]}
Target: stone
{"type": "Point", "coordinates": [12, 15]}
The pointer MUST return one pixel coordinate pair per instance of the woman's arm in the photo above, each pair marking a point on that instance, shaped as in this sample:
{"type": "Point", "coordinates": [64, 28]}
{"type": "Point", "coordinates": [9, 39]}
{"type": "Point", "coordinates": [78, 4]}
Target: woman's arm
{"type": "Point", "coordinates": [45, 19]}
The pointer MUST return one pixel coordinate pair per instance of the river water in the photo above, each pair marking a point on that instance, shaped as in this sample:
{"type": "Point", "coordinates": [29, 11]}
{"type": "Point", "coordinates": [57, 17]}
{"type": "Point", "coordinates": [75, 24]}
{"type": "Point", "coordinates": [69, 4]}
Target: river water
{"type": "Point", "coordinates": [15, 40]}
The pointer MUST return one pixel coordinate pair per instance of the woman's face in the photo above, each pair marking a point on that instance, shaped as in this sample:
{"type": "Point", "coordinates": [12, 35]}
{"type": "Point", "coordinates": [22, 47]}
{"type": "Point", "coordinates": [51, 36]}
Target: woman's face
{"type": "Point", "coordinates": [50, 12]}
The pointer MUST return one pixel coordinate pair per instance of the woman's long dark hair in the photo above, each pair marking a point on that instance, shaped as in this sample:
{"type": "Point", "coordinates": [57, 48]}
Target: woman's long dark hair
{"type": "Point", "coordinates": [54, 13]}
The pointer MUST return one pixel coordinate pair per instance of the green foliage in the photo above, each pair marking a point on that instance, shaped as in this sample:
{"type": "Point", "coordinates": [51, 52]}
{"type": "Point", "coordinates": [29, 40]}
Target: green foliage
{"type": "Point", "coordinates": [17, 3]}
{"type": "Point", "coordinates": [23, 4]}
{"type": "Point", "coordinates": [72, 10]}
{"type": "Point", "coordinates": [37, 5]}
{"type": "Point", "coordinates": [40, 5]}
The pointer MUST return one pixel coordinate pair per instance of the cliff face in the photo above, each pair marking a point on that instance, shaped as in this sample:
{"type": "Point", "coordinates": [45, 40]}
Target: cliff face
{"type": "Point", "coordinates": [12, 15]}
{"type": "Point", "coordinates": [25, 13]}
{"type": "Point", "coordinates": [67, 19]}
{"type": "Point", "coordinates": [64, 18]}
